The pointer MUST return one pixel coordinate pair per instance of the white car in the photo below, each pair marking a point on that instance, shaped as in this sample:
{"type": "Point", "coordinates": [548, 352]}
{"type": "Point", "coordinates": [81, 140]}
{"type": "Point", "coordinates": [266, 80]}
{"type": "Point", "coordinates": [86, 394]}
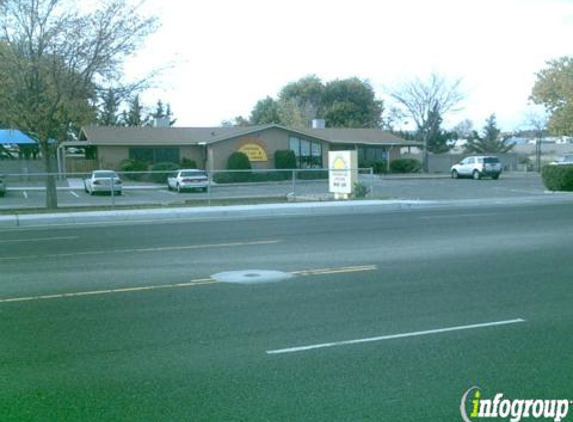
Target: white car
{"type": "Point", "coordinates": [103, 181]}
{"type": "Point", "coordinates": [563, 161]}
{"type": "Point", "coordinates": [477, 166]}
{"type": "Point", "coordinates": [188, 179]}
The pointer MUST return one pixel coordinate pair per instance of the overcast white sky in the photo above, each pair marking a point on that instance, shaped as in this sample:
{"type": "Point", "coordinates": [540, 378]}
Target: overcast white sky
{"type": "Point", "coordinates": [225, 55]}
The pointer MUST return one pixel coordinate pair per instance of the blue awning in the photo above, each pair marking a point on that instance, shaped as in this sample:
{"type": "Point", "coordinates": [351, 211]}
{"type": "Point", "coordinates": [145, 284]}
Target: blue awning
{"type": "Point", "coordinates": [10, 136]}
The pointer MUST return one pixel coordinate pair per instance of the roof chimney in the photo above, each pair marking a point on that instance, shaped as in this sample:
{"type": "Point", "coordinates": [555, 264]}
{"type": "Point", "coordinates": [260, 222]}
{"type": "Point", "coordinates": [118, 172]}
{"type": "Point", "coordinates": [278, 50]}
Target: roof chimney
{"type": "Point", "coordinates": [318, 123]}
{"type": "Point", "coordinates": [161, 122]}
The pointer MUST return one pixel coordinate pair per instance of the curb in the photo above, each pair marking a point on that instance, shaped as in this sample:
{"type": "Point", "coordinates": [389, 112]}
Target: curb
{"type": "Point", "coordinates": [222, 212]}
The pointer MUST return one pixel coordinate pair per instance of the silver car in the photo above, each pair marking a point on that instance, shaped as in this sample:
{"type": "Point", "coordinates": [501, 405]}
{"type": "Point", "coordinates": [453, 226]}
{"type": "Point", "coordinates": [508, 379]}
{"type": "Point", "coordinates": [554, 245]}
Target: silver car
{"type": "Point", "coordinates": [103, 181]}
{"type": "Point", "coordinates": [188, 179]}
{"type": "Point", "coordinates": [563, 161]}
{"type": "Point", "coordinates": [477, 166]}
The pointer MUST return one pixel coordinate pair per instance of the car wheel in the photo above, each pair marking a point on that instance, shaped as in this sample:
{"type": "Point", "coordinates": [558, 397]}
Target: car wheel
{"type": "Point", "coordinates": [476, 175]}
{"type": "Point", "coordinates": [455, 174]}
{"type": "Point", "coordinates": [495, 176]}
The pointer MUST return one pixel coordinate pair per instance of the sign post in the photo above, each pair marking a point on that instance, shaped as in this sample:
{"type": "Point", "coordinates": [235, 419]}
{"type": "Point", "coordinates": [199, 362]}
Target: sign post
{"type": "Point", "coordinates": [342, 173]}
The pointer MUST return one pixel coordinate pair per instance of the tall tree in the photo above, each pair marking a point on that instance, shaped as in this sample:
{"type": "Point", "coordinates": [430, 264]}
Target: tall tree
{"type": "Point", "coordinates": [554, 90]}
{"type": "Point", "coordinates": [351, 103]}
{"type": "Point", "coordinates": [266, 111]}
{"type": "Point", "coordinates": [342, 103]}
{"type": "Point", "coordinates": [55, 59]}
{"type": "Point", "coordinates": [291, 114]}
{"type": "Point", "coordinates": [537, 123]}
{"type": "Point", "coordinates": [162, 111]}
{"type": "Point", "coordinates": [463, 129]}
{"type": "Point", "coordinates": [306, 95]}
{"type": "Point", "coordinates": [419, 98]}
{"type": "Point", "coordinates": [438, 139]}
{"type": "Point", "coordinates": [238, 121]}
{"type": "Point", "coordinates": [490, 142]}
{"type": "Point", "coordinates": [133, 116]}
{"type": "Point", "coordinates": [108, 114]}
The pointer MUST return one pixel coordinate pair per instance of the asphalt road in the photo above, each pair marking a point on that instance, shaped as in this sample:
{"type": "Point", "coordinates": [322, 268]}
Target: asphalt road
{"type": "Point", "coordinates": [385, 317]}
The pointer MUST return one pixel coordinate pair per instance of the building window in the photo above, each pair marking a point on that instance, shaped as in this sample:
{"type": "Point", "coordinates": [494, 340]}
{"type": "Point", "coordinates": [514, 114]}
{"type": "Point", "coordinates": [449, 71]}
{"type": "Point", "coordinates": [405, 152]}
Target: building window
{"type": "Point", "coordinates": [308, 153]}
{"type": "Point", "coordinates": [368, 155]}
{"type": "Point", "coordinates": [154, 155]}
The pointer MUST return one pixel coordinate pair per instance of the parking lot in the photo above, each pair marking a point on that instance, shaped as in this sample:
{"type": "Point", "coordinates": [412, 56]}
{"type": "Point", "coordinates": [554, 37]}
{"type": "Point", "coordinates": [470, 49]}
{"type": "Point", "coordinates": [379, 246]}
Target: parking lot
{"type": "Point", "coordinates": [31, 194]}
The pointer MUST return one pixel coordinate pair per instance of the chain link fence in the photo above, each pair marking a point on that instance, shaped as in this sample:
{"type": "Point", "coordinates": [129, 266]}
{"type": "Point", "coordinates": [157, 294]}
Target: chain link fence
{"type": "Point", "coordinates": [162, 188]}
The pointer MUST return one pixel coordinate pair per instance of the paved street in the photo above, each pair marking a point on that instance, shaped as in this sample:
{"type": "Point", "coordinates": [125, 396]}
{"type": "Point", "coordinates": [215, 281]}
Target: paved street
{"type": "Point", "coordinates": [389, 316]}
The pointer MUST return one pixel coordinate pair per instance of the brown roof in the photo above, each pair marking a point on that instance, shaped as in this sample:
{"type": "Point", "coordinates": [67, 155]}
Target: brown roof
{"type": "Point", "coordinates": [147, 135]}
{"type": "Point", "coordinates": [151, 136]}
{"type": "Point", "coordinates": [359, 136]}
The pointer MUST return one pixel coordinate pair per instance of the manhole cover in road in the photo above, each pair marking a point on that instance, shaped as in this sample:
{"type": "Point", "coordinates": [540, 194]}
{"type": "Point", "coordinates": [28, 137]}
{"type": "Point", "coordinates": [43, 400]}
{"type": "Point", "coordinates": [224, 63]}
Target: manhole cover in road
{"type": "Point", "coordinates": [251, 276]}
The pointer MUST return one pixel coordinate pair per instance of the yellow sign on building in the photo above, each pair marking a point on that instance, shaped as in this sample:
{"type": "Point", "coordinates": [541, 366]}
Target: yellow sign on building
{"type": "Point", "coordinates": [254, 151]}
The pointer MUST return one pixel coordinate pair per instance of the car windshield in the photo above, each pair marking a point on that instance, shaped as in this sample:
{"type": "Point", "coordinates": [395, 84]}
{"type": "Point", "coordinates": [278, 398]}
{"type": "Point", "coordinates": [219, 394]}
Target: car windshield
{"type": "Point", "coordinates": [107, 174]}
{"type": "Point", "coordinates": [193, 173]}
{"type": "Point", "coordinates": [491, 160]}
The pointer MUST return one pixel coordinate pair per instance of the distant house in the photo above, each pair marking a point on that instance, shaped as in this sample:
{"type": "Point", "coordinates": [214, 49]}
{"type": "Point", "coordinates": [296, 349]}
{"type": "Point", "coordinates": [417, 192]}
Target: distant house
{"type": "Point", "coordinates": [211, 147]}
{"type": "Point", "coordinates": [517, 140]}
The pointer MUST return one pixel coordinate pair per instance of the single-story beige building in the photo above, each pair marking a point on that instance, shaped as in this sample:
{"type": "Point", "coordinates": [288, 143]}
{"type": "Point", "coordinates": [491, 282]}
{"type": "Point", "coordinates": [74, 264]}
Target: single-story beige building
{"type": "Point", "coordinates": [211, 147]}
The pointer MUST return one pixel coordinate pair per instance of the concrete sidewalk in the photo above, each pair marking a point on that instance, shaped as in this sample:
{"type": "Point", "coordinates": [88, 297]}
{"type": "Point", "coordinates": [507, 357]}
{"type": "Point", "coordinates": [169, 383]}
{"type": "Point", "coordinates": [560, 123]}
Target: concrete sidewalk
{"type": "Point", "coordinates": [268, 210]}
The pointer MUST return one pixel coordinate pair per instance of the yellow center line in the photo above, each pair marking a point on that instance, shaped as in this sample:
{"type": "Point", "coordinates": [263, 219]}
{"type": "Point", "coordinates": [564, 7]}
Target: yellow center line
{"type": "Point", "coordinates": [192, 283]}
{"type": "Point", "coordinates": [196, 282]}
{"type": "Point", "coordinates": [335, 270]}
{"type": "Point", "coordinates": [142, 250]}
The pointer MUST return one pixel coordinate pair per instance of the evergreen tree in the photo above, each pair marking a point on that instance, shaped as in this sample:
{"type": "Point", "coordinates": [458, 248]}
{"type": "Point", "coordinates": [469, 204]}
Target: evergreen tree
{"type": "Point", "coordinates": [438, 139]}
{"type": "Point", "coordinates": [162, 112]}
{"type": "Point", "coordinates": [490, 142]}
{"type": "Point", "coordinates": [134, 115]}
{"type": "Point", "coordinates": [109, 113]}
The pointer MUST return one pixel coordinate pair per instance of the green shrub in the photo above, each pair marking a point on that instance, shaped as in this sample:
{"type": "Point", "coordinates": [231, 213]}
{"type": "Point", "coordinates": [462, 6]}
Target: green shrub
{"type": "Point", "coordinates": [312, 174]}
{"type": "Point", "coordinates": [133, 165]}
{"type": "Point", "coordinates": [378, 166]}
{"type": "Point", "coordinates": [558, 178]}
{"type": "Point", "coordinates": [271, 176]}
{"type": "Point", "coordinates": [361, 190]}
{"type": "Point", "coordinates": [187, 163]}
{"type": "Point", "coordinates": [165, 169]}
{"type": "Point", "coordinates": [405, 165]}
{"type": "Point", "coordinates": [285, 159]}
{"type": "Point", "coordinates": [239, 161]}
{"type": "Point", "coordinates": [223, 177]}
{"type": "Point", "coordinates": [279, 176]}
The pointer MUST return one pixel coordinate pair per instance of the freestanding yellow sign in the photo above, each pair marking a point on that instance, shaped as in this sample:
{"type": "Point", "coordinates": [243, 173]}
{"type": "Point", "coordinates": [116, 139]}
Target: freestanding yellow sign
{"type": "Point", "coordinates": [254, 150]}
{"type": "Point", "coordinates": [342, 172]}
